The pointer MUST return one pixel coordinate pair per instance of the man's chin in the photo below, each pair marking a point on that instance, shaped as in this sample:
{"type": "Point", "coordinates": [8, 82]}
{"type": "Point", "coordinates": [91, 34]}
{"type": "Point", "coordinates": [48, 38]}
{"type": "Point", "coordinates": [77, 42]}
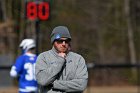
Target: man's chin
{"type": "Point", "coordinates": [63, 50]}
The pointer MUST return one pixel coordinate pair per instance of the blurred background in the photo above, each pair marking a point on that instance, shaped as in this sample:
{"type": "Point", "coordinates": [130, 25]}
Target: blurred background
{"type": "Point", "coordinates": [105, 32]}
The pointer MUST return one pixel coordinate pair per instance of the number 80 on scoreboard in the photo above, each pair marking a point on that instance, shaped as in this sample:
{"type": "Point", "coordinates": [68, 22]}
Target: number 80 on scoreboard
{"type": "Point", "coordinates": [39, 11]}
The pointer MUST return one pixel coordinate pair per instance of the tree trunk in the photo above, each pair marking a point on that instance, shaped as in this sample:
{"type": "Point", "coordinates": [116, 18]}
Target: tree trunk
{"type": "Point", "coordinates": [3, 8]}
{"type": "Point", "coordinates": [130, 36]}
{"type": "Point", "coordinates": [22, 21]}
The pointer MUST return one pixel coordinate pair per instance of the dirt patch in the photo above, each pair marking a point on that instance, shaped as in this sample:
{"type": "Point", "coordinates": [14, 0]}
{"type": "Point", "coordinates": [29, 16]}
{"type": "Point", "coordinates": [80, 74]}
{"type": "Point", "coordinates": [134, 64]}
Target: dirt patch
{"type": "Point", "coordinates": [114, 89]}
{"type": "Point", "coordinates": [8, 90]}
{"type": "Point", "coordinates": [94, 89]}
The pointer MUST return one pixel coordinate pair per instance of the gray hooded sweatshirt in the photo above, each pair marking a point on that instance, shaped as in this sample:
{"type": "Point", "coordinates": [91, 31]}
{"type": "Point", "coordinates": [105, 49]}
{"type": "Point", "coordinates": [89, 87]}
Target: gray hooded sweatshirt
{"type": "Point", "coordinates": [56, 74]}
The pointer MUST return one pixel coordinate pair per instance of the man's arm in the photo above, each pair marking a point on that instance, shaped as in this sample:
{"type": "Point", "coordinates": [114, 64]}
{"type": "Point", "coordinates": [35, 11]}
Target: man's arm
{"type": "Point", "coordinates": [46, 71]}
{"type": "Point", "coordinates": [78, 84]}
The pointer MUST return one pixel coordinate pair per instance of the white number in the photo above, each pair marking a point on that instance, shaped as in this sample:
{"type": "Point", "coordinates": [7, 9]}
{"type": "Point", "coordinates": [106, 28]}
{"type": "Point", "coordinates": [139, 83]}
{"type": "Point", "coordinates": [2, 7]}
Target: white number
{"type": "Point", "coordinates": [30, 71]}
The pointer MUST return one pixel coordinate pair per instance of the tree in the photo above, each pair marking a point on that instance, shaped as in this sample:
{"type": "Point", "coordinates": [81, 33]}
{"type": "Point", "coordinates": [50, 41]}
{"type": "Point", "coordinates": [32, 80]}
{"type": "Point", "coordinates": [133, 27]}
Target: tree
{"type": "Point", "coordinates": [130, 35]}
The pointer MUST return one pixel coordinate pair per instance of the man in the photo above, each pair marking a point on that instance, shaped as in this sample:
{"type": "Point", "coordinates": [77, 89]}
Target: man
{"type": "Point", "coordinates": [24, 68]}
{"type": "Point", "coordinates": [59, 70]}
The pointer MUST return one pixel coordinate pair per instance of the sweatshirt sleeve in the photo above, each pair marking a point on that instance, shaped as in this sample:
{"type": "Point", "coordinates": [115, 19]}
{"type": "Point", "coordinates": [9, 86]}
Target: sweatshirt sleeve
{"type": "Point", "coordinates": [78, 84]}
{"type": "Point", "coordinates": [46, 71]}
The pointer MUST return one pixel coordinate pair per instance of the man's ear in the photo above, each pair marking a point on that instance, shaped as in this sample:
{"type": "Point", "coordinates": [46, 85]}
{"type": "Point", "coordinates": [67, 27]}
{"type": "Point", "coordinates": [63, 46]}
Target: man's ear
{"type": "Point", "coordinates": [69, 47]}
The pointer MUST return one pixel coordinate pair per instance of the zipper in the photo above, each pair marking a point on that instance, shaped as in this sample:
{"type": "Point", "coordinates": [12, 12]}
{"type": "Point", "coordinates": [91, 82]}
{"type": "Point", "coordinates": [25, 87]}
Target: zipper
{"type": "Point", "coordinates": [65, 66]}
{"type": "Point", "coordinates": [64, 69]}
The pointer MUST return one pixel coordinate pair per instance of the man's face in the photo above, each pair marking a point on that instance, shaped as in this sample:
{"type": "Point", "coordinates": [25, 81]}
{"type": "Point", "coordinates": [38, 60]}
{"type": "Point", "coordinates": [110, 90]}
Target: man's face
{"type": "Point", "coordinates": [62, 45]}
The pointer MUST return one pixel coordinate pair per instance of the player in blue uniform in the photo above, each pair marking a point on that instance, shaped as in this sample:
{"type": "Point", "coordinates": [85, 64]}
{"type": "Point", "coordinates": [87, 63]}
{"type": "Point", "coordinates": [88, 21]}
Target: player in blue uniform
{"type": "Point", "coordinates": [24, 68]}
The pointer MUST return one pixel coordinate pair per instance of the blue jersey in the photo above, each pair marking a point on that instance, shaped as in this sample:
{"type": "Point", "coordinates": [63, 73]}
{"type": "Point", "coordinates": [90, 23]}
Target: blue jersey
{"type": "Point", "coordinates": [25, 69]}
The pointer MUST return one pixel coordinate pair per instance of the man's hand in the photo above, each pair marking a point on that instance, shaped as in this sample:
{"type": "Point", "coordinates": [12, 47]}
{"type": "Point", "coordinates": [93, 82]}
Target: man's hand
{"type": "Point", "coordinates": [62, 54]}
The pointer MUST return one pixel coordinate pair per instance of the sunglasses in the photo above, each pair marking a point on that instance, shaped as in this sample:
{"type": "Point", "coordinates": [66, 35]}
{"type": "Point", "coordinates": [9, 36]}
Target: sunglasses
{"type": "Point", "coordinates": [60, 41]}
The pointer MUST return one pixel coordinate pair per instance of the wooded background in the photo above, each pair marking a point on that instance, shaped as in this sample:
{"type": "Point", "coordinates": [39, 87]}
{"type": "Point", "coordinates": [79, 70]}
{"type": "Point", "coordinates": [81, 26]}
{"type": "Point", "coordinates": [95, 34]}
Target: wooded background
{"type": "Point", "coordinates": [103, 31]}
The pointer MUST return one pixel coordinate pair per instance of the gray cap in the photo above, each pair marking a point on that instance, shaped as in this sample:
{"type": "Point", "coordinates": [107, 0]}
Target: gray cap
{"type": "Point", "coordinates": [60, 32]}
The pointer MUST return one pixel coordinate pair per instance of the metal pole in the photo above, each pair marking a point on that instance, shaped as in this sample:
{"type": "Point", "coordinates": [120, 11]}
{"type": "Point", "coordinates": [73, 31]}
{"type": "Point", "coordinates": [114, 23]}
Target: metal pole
{"type": "Point", "coordinates": [37, 35]}
{"type": "Point", "coordinates": [37, 31]}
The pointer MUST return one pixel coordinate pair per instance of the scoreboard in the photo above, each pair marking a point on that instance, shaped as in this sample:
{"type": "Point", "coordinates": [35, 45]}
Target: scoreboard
{"type": "Point", "coordinates": [39, 10]}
